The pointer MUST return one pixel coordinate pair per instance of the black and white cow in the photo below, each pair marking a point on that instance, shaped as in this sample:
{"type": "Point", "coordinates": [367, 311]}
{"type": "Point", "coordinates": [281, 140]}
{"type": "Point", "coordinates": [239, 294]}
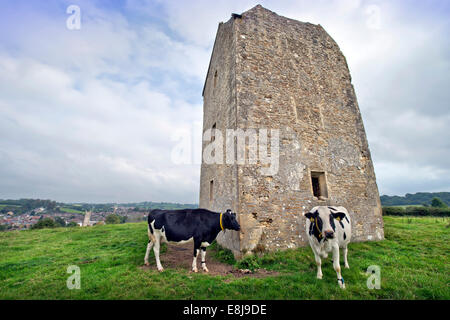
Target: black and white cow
{"type": "Point", "coordinates": [328, 229]}
{"type": "Point", "coordinates": [198, 225]}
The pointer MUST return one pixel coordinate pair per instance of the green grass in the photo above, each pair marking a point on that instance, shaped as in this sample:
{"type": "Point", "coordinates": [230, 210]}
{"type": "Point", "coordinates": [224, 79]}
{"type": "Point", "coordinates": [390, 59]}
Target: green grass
{"type": "Point", "coordinates": [407, 205]}
{"type": "Point", "coordinates": [69, 210]}
{"type": "Point", "coordinates": [413, 259]}
{"type": "Point", "coordinates": [9, 205]}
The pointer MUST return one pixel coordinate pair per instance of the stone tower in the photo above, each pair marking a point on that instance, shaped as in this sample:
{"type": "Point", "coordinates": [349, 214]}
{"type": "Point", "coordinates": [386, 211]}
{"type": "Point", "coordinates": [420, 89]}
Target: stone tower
{"type": "Point", "coordinates": [271, 72]}
{"type": "Point", "coordinates": [87, 219]}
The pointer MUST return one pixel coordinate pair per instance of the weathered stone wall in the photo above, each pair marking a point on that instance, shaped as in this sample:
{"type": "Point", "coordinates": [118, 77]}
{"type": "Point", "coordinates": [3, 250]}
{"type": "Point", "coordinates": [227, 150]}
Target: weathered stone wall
{"type": "Point", "coordinates": [292, 76]}
{"type": "Point", "coordinates": [219, 107]}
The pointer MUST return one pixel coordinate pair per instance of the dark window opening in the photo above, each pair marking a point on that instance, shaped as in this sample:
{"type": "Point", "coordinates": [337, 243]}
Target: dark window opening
{"type": "Point", "coordinates": [316, 186]}
{"type": "Point", "coordinates": [213, 132]}
{"type": "Point", "coordinates": [215, 78]}
{"type": "Point", "coordinates": [319, 185]}
{"type": "Point", "coordinates": [211, 190]}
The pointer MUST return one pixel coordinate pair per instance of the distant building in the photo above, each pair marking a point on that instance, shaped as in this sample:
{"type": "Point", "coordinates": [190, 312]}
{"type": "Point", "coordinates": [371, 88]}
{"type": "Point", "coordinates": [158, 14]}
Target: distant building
{"type": "Point", "coordinates": [87, 219]}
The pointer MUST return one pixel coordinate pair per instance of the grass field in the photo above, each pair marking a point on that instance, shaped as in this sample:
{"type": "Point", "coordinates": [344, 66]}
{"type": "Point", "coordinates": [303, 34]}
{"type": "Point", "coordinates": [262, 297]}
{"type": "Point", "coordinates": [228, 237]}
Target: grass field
{"type": "Point", "coordinates": [413, 259]}
{"type": "Point", "coordinates": [69, 210]}
{"type": "Point", "coordinates": [408, 205]}
{"type": "Point", "coordinates": [8, 205]}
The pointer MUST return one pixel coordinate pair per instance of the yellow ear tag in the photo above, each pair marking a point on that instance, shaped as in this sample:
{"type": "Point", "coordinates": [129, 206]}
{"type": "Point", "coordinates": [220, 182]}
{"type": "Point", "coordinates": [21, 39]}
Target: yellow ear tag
{"type": "Point", "coordinates": [338, 218]}
{"type": "Point", "coordinates": [312, 220]}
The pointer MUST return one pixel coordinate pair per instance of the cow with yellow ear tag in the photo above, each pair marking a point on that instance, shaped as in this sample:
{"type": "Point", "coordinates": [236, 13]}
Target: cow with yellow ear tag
{"type": "Point", "coordinates": [328, 229]}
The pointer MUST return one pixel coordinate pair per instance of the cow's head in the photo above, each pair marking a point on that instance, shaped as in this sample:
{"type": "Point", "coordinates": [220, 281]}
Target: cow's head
{"type": "Point", "coordinates": [229, 221]}
{"type": "Point", "coordinates": [322, 222]}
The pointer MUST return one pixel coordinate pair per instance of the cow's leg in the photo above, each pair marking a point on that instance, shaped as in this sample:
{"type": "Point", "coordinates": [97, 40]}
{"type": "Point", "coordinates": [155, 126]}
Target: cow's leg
{"type": "Point", "coordinates": [204, 259]}
{"type": "Point", "coordinates": [147, 253]}
{"type": "Point", "coordinates": [151, 242]}
{"type": "Point", "coordinates": [345, 257]}
{"type": "Point", "coordinates": [156, 251]}
{"type": "Point", "coordinates": [194, 261]}
{"type": "Point", "coordinates": [337, 267]}
{"type": "Point", "coordinates": [319, 265]}
{"type": "Point", "coordinates": [196, 251]}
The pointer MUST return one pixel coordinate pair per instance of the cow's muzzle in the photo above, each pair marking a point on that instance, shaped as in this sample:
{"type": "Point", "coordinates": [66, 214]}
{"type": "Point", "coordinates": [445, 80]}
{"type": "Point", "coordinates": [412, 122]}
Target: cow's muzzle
{"type": "Point", "coordinates": [329, 234]}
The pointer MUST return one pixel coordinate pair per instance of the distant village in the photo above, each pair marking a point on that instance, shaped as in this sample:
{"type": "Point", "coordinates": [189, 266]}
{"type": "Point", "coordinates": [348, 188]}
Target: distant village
{"type": "Point", "coordinates": [25, 213]}
{"type": "Point", "coordinates": [28, 219]}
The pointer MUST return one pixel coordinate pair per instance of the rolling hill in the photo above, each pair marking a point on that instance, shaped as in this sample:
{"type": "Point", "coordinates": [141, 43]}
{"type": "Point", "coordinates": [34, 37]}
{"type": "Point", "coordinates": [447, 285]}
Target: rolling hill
{"type": "Point", "coordinates": [418, 198]}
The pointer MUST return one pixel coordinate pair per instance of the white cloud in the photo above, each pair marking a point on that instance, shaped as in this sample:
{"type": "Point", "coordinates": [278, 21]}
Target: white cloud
{"type": "Point", "coordinates": [109, 135]}
{"type": "Point", "coordinates": [197, 21]}
{"type": "Point", "coordinates": [409, 178]}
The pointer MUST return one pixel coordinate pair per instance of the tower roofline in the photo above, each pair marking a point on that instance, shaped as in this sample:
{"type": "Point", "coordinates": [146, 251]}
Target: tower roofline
{"type": "Point", "coordinates": [233, 16]}
{"type": "Point", "coordinates": [210, 59]}
{"type": "Point", "coordinates": [239, 16]}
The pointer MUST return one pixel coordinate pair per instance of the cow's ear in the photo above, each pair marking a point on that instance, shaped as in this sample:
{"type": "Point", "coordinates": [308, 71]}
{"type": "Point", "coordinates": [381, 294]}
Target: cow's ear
{"type": "Point", "coordinates": [338, 215]}
{"type": "Point", "coordinates": [228, 211]}
{"type": "Point", "coordinates": [311, 215]}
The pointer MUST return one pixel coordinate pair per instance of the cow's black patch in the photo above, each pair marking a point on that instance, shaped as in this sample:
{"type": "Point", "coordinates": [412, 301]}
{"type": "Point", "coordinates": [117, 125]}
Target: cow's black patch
{"type": "Point", "coordinates": [338, 215]}
{"type": "Point", "coordinates": [318, 229]}
{"type": "Point", "coordinates": [345, 236]}
{"type": "Point", "coordinates": [333, 226]}
{"type": "Point", "coordinates": [315, 228]}
{"type": "Point", "coordinates": [312, 215]}
{"type": "Point", "coordinates": [311, 228]}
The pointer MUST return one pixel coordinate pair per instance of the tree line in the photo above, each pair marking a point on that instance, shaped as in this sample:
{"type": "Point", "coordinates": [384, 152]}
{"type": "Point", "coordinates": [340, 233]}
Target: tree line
{"type": "Point", "coordinates": [419, 198]}
{"type": "Point", "coordinates": [438, 208]}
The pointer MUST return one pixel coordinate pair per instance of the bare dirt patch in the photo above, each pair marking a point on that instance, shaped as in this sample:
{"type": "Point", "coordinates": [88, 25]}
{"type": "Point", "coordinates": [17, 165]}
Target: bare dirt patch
{"type": "Point", "coordinates": [179, 256]}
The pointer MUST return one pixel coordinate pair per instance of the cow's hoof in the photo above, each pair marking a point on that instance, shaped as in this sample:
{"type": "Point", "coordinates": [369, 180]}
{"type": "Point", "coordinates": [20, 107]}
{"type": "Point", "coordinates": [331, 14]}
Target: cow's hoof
{"type": "Point", "coordinates": [205, 269]}
{"type": "Point", "coordinates": [161, 269]}
{"type": "Point", "coordinates": [347, 266]}
{"type": "Point", "coordinates": [147, 264]}
{"type": "Point", "coordinates": [319, 276]}
{"type": "Point", "coordinates": [195, 270]}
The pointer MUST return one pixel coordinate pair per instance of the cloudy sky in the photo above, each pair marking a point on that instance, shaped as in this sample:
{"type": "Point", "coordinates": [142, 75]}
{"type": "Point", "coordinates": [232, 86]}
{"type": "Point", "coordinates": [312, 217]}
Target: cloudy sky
{"type": "Point", "coordinates": [95, 114]}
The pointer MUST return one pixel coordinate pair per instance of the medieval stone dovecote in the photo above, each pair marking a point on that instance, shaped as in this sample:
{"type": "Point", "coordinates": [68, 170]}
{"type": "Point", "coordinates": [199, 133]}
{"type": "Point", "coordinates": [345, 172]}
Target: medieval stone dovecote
{"type": "Point", "coordinates": [270, 72]}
